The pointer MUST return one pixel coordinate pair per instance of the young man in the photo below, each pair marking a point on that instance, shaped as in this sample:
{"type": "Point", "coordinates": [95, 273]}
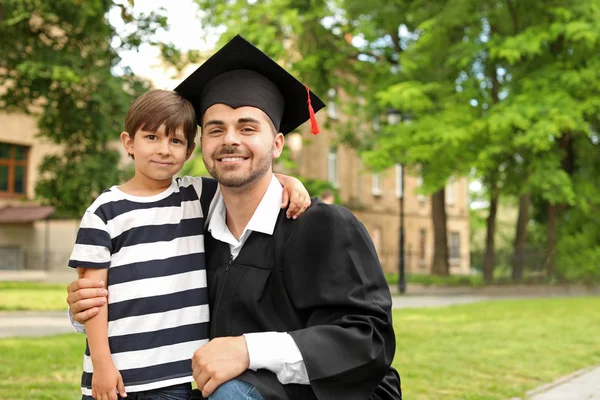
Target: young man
{"type": "Point", "coordinates": [301, 309]}
{"type": "Point", "coordinates": [145, 238]}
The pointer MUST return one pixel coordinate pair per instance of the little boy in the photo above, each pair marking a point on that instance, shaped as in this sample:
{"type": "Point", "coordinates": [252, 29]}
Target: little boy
{"type": "Point", "coordinates": [145, 239]}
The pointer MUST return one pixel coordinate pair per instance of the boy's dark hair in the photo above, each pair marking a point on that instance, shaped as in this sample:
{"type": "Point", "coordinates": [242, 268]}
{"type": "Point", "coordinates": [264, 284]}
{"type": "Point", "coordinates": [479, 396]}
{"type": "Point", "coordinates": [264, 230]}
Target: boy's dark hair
{"type": "Point", "coordinates": [156, 107]}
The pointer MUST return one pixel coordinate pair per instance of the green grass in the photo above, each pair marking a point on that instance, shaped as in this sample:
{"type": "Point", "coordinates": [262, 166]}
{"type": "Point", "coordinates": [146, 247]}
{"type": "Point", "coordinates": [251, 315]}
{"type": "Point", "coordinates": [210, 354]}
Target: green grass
{"type": "Point", "coordinates": [482, 351]}
{"type": "Point", "coordinates": [494, 350]}
{"type": "Point", "coordinates": [19, 296]}
{"type": "Point", "coordinates": [500, 278]}
{"type": "Point", "coordinates": [432, 280]}
{"type": "Point", "coordinates": [46, 368]}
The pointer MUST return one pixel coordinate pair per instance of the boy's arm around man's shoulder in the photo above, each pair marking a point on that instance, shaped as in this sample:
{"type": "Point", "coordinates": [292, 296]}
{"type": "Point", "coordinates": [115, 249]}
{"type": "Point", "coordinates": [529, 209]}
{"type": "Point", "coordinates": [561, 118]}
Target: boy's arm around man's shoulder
{"type": "Point", "coordinates": [333, 275]}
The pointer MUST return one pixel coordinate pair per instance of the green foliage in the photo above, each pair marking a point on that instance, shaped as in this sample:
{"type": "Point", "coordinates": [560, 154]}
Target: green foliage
{"type": "Point", "coordinates": [579, 247]}
{"type": "Point", "coordinates": [315, 188]}
{"type": "Point", "coordinates": [58, 64]}
{"type": "Point", "coordinates": [195, 165]}
{"type": "Point", "coordinates": [503, 91]}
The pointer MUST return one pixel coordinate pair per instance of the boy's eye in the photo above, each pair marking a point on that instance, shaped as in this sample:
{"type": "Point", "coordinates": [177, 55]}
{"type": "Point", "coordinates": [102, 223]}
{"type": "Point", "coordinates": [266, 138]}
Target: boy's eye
{"type": "Point", "coordinates": [177, 141]}
{"type": "Point", "coordinates": [151, 137]}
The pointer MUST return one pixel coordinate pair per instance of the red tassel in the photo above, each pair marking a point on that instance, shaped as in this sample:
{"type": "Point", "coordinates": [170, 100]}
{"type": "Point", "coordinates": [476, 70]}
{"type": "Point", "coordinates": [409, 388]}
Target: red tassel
{"type": "Point", "coordinates": [314, 126]}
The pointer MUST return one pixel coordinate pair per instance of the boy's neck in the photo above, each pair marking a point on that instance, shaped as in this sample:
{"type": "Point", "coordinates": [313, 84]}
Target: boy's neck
{"type": "Point", "coordinates": [241, 203]}
{"type": "Point", "coordinates": [143, 186]}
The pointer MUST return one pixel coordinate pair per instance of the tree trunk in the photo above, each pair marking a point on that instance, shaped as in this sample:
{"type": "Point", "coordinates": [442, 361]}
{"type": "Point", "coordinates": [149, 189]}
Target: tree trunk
{"type": "Point", "coordinates": [549, 262]}
{"type": "Point", "coordinates": [490, 251]}
{"type": "Point", "coordinates": [521, 238]}
{"type": "Point", "coordinates": [566, 143]}
{"type": "Point", "coordinates": [440, 265]}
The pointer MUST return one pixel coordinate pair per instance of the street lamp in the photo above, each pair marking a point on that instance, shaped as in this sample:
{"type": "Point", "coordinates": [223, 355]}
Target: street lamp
{"type": "Point", "coordinates": [393, 118]}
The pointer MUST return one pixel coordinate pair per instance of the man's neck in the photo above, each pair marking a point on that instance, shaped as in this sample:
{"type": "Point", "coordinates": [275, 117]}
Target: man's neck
{"type": "Point", "coordinates": [241, 203]}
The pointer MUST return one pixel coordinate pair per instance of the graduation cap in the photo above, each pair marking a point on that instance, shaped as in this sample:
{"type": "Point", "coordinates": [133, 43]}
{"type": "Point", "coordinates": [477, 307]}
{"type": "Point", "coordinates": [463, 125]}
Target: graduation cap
{"type": "Point", "coordinates": [239, 75]}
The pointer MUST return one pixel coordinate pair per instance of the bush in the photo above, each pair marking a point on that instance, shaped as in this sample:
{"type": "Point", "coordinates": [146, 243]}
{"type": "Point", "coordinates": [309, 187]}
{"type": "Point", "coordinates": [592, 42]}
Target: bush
{"type": "Point", "coordinates": [316, 186]}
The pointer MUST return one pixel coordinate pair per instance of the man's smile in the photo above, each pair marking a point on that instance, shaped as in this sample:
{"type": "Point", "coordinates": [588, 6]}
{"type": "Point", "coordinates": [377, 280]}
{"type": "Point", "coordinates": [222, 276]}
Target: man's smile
{"type": "Point", "coordinates": [231, 159]}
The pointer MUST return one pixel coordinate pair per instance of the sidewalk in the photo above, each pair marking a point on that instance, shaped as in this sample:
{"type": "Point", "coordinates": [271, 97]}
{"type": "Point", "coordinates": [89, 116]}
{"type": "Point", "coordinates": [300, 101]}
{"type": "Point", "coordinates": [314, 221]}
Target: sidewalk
{"type": "Point", "coordinates": [580, 385]}
{"type": "Point", "coordinates": [34, 323]}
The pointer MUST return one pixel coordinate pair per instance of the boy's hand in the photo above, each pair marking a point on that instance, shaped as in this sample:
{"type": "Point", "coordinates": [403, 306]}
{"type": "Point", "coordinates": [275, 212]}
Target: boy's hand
{"type": "Point", "coordinates": [107, 381]}
{"type": "Point", "coordinates": [295, 194]}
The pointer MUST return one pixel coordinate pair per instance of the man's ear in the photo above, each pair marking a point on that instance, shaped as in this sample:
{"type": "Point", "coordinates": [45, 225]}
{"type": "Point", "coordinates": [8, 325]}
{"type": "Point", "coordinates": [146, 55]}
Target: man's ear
{"type": "Point", "coordinates": [190, 151]}
{"type": "Point", "coordinates": [127, 141]}
{"type": "Point", "coordinates": [278, 145]}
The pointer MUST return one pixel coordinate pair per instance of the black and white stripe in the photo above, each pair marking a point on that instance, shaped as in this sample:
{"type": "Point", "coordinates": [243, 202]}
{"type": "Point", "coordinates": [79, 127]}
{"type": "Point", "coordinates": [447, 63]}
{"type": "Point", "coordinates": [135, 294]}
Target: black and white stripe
{"type": "Point", "coordinates": [153, 248]}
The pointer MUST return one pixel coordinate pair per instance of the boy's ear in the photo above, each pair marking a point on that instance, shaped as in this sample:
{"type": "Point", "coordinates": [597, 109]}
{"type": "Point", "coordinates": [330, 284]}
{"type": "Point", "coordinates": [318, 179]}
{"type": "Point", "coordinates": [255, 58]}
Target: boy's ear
{"type": "Point", "coordinates": [127, 141]}
{"type": "Point", "coordinates": [190, 151]}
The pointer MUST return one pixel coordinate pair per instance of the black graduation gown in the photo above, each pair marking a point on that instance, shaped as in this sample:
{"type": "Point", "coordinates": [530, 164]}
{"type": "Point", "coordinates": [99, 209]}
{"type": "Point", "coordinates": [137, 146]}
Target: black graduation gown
{"type": "Point", "coordinates": [319, 279]}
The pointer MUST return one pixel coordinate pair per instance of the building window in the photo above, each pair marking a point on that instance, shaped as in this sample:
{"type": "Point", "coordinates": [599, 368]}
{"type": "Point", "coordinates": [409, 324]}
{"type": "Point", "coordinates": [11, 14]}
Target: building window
{"type": "Point", "coordinates": [13, 169]}
{"type": "Point", "coordinates": [332, 172]}
{"type": "Point", "coordinates": [376, 185]}
{"type": "Point", "coordinates": [420, 197]}
{"type": "Point", "coordinates": [454, 246]}
{"type": "Point", "coordinates": [450, 192]}
{"type": "Point", "coordinates": [422, 247]}
{"type": "Point", "coordinates": [399, 180]}
{"type": "Point", "coordinates": [331, 104]}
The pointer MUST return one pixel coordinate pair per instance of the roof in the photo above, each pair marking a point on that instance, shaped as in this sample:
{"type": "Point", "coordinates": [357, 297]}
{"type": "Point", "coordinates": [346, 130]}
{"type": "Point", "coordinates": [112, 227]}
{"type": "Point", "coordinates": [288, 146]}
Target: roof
{"type": "Point", "coordinates": [24, 214]}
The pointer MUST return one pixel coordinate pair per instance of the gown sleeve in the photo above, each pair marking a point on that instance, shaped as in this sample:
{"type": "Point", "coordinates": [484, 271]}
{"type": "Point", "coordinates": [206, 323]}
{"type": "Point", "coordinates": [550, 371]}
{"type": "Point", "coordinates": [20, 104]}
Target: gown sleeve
{"type": "Point", "coordinates": [335, 281]}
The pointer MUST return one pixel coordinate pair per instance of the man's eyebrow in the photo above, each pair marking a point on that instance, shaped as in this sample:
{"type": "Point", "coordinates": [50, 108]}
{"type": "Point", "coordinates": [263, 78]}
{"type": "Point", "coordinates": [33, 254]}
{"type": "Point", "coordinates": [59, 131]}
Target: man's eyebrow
{"type": "Point", "coordinates": [214, 122]}
{"type": "Point", "coordinates": [248, 120]}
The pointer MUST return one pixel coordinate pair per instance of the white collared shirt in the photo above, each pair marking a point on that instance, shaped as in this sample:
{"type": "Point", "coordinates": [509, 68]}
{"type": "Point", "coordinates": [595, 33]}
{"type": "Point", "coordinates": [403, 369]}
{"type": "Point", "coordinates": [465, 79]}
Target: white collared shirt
{"type": "Point", "coordinates": [275, 351]}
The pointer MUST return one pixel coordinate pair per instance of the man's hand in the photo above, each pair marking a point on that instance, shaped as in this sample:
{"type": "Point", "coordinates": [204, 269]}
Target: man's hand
{"type": "Point", "coordinates": [84, 296]}
{"type": "Point", "coordinates": [219, 361]}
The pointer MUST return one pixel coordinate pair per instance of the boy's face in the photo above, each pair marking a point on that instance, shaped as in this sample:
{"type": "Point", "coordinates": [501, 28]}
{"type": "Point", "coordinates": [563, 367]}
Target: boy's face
{"type": "Point", "coordinates": [157, 157]}
{"type": "Point", "coordinates": [238, 145]}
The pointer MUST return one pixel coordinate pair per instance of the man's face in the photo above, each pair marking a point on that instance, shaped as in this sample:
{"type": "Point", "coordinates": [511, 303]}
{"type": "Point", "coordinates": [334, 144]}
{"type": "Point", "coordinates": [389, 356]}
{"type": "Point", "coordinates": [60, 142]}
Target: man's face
{"type": "Point", "coordinates": [238, 145]}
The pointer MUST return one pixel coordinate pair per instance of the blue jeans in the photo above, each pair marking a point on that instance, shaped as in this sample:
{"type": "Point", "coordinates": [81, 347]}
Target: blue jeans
{"type": "Point", "coordinates": [177, 392]}
{"type": "Point", "coordinates": [236, 390]}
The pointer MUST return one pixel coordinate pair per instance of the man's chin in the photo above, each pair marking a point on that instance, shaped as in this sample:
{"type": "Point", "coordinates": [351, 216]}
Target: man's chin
{"type": "Point", "coordinates": [233, 183]}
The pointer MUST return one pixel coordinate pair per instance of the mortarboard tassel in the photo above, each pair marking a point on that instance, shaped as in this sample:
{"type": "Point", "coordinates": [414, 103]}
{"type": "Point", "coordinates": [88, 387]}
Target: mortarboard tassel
{"type": "Point", "coordinates": [314, 126]}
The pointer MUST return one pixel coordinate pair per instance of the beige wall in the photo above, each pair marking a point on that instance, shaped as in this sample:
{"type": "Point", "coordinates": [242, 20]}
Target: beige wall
{"type": "Point", "coordinates": [380, 213]}
{"type": "Point", "coordinates": [41, 245]}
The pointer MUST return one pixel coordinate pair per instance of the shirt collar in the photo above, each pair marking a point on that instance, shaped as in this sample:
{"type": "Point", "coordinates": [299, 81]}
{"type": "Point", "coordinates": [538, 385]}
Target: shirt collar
{"type": "Point", "coordinates": [263, 220]}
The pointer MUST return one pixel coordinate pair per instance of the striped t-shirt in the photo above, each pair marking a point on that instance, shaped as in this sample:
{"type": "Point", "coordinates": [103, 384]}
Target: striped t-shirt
{"type": "Point", "coordinates": [158, 313]}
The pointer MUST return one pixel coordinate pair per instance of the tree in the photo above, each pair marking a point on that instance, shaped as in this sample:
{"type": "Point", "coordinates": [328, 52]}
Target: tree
{"type": "Point", "coordinates": [551, 103]}
{"type": "Point", "coordinates": [348, 45]}
{"type": "Point", "coordinates": [504, 88]}
{"type": "Point", "coordinates": [59, 63]}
